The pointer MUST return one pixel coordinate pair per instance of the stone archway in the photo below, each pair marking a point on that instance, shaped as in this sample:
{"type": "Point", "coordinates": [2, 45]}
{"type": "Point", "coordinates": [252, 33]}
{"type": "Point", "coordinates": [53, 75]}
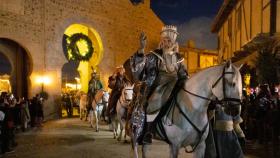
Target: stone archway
{"type": "Point", "coordinates": [85, 68]}
{"type": "Point", "coordinates": [21, 65]}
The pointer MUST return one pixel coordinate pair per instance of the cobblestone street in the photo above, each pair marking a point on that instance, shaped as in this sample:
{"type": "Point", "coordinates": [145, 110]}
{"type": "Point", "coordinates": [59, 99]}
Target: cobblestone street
{"type": "Point", "coordinates": [72, 138]}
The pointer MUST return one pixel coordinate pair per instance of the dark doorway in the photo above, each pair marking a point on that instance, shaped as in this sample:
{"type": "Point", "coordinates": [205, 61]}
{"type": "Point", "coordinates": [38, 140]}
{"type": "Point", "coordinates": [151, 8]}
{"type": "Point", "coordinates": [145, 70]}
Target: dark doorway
{"type": "Point", "coordinates": [17, 65]}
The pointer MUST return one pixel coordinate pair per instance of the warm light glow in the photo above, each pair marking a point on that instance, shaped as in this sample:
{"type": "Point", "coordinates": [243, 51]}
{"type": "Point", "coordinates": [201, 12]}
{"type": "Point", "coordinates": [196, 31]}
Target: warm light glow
{"type": "Point", "coordinates": [5, 80]}
{"type": "Point", "coordinates": [5, 85]}
{"type": "Point", "coordinates": [43, 80]}
{"type": "Point", "coordinates": [247, 78]}
{"type": "Point", "coordinates": [77, 79]}
{"type": "Point", "coordinates": [84, 71]}
{"type": "Point", "coordinates": [72, 86]}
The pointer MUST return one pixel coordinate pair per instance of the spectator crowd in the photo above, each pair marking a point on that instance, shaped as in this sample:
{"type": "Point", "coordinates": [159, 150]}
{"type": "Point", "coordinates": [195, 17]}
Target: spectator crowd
{"type": "Point", "coordinates": [17, 114]}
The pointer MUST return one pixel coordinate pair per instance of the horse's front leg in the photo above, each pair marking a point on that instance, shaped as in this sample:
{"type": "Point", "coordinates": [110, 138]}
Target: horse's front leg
{"type": "Point", "coordinates": [96, 120]}
{"type": "Point", "coordinates": [134, 146]}
{"type": "Point", "coordinates": [81, 114]}
{"type": "Point", "coordinates": [200, 150]}
{"type": "Point", "coordinates": [91, 118]}
{"type": "Point", "coordinates": [125, 132]}
{"type": "Point", "coordinates": [145, 148]}
{"type": "Point", "coordinates": [174, 151]}
{"type": "Point", "coordinates": [115, 128]}
{"type": "Point", "coordinates": [121, 129]}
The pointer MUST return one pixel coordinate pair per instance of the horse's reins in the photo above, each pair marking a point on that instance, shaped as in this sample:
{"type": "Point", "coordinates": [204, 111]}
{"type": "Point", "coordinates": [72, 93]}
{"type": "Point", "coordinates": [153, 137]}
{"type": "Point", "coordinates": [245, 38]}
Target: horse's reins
{"type": "Point", "coordinates": [225, 99]}
{"type": "Point", "coordinates": [222, 101]}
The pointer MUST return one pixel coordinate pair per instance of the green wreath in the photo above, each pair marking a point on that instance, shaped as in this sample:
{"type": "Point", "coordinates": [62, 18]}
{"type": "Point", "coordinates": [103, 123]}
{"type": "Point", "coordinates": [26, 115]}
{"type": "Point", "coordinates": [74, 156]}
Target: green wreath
{"type": "Point", "coordinates": [75, 52]}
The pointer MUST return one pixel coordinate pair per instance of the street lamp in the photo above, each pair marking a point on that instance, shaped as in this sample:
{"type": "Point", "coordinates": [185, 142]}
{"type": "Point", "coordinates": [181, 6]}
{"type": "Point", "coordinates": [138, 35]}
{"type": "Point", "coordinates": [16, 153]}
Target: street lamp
{"type": "Point", "coordinates": [43, 80]}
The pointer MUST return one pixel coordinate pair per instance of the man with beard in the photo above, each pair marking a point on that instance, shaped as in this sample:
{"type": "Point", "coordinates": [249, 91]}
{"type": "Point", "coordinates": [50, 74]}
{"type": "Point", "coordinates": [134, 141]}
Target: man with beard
{"type": "Point", "coordinates": [116, 83]}
{"type": "Point", "coordinates": [163, 71]}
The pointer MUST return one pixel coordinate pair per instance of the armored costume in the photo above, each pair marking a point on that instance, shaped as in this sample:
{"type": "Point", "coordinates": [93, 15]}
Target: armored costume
{"type": "Point", "coordinates": [161, 69]}
{"type": "Point", "coordinates": [161, 72]}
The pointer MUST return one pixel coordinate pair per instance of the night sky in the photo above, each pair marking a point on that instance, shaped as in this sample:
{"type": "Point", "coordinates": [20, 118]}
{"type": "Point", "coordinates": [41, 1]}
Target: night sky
{"type": "Point", "coordinates": [193, 18]}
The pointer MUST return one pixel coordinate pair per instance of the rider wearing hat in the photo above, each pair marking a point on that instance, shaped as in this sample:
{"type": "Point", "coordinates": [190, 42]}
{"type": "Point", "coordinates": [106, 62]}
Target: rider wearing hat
{"type": "Point", "coordinates": [116, 83]}
{"type": "Point", "coordinates": [93, 86]}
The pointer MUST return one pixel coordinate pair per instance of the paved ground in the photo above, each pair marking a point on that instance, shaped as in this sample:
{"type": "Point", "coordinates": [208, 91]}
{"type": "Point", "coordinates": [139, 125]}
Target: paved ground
{"type": "Point", "coordinates": [72, 138]}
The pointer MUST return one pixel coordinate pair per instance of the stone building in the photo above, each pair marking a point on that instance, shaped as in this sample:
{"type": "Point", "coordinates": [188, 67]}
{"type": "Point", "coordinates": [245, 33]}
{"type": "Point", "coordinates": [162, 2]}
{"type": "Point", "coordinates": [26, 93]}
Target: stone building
{"type": "Point", "coordinates": [31, 33]}
{"type": "Point", "coordinates": [197, 59]}
{"type": "Point", "coordinates": [244, 27]}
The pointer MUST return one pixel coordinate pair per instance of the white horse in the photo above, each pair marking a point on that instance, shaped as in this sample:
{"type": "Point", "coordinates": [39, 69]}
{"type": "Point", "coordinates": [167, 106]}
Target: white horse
{"type": "Point", "coordinates": [186, 124]}
{"type": "Point", "coordinates": [100, 99]}
{"type": "Point", "coordinates": [121, 109]}
{"type": "Point", "coordinates": [83, 105]}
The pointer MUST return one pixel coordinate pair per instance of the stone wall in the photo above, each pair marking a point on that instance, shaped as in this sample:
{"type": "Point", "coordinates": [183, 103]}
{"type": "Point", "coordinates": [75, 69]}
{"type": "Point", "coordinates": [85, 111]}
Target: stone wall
{"type": "Point", "coordinates": [38, 26]}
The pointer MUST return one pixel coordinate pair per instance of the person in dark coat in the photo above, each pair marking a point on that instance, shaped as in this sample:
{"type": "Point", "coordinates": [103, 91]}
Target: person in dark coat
{"type": "Point", "coordinates": [69, 105]}
{"type": "Point", "coordinates": [7, 127]}
{"type": "Point", "coordinates": [227, 134]}
{"type": "Point", "coordinates": [32, 109]}
{"type": "Point", "coordinates": [116, 83]}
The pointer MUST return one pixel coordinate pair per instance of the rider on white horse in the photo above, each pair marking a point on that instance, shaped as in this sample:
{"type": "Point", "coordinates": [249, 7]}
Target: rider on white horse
{"type": "Point", "coordinates": [163, 71]}
{"type": "Point", "coordinates": [93, 86]}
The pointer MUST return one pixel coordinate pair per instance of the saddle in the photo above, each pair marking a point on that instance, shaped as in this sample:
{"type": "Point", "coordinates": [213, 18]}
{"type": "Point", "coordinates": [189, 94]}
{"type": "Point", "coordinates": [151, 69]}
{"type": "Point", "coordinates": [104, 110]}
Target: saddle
{"type": "Point", "coordinates": [138, 115]}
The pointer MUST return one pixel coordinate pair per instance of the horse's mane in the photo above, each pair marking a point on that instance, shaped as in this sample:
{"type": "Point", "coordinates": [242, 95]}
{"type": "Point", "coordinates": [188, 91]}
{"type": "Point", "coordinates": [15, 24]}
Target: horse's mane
{"type": "Point", "coordinates": [98, 95]}
{"type": "Point", "coordinates": [205, 70]}
{"type": "Point", "coordinates": [202, 71]}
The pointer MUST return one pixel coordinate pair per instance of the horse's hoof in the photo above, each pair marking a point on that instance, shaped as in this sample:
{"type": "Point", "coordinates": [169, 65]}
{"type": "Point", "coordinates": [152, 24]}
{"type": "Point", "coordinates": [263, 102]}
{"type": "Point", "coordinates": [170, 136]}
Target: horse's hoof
{"type": "Point", "coordinates": [97, 130]}
{"type": "Point", "coordinates": [114, 137]}
{"type": "Point", "coordinates": [119, 139]}
{"type": "Point", "coordinates": [125, 141]}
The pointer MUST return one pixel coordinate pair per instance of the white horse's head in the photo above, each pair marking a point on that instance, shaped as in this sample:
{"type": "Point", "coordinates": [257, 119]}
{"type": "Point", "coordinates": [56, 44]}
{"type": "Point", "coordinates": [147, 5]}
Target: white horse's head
{"type": "Point", "coordinates": [127, 92]}
{"type": "Point", "coordinates": [228, 89]}
{"type": "Point", "coordinates": [105, 97]}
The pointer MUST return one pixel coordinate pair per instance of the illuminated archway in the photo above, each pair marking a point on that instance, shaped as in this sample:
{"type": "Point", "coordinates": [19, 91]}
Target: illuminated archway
{"type": "Point", "coordinates": [5, 72]}
{"type": "Point", "coordinates": [21, 66]}
{"type": "Point", "coordinates": [85, 68]}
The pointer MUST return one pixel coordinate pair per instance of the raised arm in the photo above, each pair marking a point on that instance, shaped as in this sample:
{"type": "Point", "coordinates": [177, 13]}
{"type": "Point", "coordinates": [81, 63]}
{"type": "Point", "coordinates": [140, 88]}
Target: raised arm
{"type": "Point", "coordinates": [135, 64]}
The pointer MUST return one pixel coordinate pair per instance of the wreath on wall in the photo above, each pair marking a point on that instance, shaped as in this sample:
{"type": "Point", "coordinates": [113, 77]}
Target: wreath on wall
{"type": "Point", "coordinates": [72, 45]}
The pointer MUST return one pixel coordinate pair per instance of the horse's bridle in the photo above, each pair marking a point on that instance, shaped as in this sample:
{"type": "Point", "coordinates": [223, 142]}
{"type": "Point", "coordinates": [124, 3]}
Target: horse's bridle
{"type": "Point", "coordinates": [126, 89]}
{"type": "Point", "coordinates": [225, 100]}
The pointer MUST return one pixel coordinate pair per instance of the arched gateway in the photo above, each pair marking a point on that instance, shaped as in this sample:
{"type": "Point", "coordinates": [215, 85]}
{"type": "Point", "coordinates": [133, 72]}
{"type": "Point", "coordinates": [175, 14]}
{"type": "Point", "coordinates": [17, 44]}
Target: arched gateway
{"type": "Point", "coordinates": [19, 66]}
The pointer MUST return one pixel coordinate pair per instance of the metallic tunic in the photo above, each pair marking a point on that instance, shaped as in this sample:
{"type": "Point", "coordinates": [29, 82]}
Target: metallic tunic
{"type": "Point", "coordinates": [161, 72]}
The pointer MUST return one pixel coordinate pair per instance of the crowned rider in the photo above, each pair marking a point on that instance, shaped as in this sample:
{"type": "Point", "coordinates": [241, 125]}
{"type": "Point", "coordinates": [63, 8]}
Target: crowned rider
{"type": "Point", "coordinates": [163, 72]}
